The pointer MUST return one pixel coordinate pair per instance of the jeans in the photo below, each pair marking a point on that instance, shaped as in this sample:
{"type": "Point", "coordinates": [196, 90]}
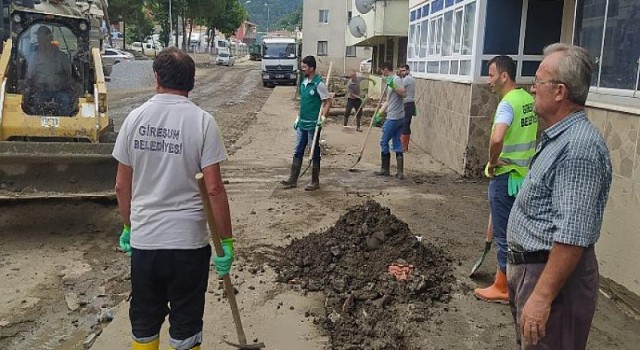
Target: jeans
{"type": "Point", "coordinates": [391, 130]}
{"type": "Point", "coordinates": [500, 204]}
{"type": "Point", "coordinates": [304, 138]}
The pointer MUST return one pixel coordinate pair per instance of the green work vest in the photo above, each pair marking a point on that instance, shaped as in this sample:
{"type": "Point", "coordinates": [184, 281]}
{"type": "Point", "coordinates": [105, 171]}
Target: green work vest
{"type": "Point", "coordinates": [310, 103]}
{"type": "Point", "coordinates": [520, 140]}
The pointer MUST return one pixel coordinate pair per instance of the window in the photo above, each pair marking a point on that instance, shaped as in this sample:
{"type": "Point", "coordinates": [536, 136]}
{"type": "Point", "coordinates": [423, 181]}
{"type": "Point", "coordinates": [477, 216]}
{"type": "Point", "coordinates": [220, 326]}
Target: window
{"type": "Point", "coordinates": [323, 16]}
{"type": "Point", "coordinates": [440, 42]}
{"type": "Point", "coordinates": [609, 30]}
{"type": "Point", "coordinates": [351, 51]}
{"type": "Point", "coordinates": [323, 48]}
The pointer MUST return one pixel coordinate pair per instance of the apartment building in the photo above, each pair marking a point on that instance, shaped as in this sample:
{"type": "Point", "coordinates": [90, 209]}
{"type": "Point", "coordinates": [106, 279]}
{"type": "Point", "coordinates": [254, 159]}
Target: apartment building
{"type": "Point", "coordinates": [324, 30]}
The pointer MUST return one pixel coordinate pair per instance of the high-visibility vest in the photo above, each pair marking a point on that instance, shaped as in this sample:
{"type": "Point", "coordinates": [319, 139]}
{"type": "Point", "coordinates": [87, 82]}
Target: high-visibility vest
{"type": "Point", "coordinates": [520, 140]}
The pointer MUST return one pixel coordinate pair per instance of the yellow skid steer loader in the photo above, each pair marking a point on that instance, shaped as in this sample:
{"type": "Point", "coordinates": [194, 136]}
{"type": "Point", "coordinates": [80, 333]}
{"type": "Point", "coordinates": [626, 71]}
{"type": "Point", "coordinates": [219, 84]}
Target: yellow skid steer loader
{"type": "Point", "coordinates": [53, 102]}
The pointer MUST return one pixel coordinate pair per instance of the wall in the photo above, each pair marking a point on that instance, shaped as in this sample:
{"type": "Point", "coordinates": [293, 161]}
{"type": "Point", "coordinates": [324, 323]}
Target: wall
{"type": "Point", "coordinates": [442, 125]}
{"type": "Point", "coordinates": [619, 246]}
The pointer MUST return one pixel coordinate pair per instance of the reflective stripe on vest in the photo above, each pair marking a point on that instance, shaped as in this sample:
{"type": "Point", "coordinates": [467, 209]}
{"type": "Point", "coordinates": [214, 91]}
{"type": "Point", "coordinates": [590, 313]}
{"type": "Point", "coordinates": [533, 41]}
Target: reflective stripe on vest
{"type": "Point", "coordinates": [520, 140]}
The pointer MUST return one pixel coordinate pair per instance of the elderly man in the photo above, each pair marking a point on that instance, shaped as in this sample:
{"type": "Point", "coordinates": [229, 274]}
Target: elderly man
{"type": "Point", "coordinates": [557, 216]}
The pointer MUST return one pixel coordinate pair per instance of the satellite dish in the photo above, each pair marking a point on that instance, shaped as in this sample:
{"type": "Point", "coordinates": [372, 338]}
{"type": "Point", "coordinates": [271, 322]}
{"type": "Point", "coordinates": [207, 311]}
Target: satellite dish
{"type": "Point", "coordinates": [358, 27]}
{"type": "Point", "coordinates": [364, 6]}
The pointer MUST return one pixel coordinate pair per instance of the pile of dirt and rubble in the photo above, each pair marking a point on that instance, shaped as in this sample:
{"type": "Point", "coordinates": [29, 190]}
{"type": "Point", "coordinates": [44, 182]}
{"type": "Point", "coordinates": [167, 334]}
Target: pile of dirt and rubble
{"type": "Point", "coordinates": [379, 279]}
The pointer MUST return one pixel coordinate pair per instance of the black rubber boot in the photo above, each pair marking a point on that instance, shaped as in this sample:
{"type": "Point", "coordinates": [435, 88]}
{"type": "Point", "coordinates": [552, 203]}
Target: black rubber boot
{"type": "Point", "coordinates": [295, 172]}
{"type": "Point", "coordinates": [384, 167]}
{"type": "Point", "coordinates": [314, 184]}
{"type": "Point", "coordinates": [400, 165]}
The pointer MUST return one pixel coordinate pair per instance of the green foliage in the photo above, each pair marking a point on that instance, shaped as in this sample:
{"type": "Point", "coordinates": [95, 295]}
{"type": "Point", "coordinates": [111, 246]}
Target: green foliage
{"type": "Point", "coordinates": [278, 9]}
{"type": "Point", "coordinates": [290, 22]}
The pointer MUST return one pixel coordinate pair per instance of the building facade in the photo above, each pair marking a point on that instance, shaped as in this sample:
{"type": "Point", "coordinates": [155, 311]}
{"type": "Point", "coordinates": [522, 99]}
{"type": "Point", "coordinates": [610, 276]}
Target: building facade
{"type": "Point", "coordinates": [449, 45]}
{"type": "Point", "coordinates": [324, 27]}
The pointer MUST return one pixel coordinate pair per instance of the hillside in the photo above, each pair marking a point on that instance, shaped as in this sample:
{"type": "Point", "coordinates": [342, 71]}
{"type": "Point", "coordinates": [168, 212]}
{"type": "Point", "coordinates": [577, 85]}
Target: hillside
{"type": "Point", "coordinates": [278, 9]}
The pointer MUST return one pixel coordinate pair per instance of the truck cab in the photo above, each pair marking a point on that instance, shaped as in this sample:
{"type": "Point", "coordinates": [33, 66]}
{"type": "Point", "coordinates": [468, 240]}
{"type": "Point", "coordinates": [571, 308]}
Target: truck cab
{"type": "Point", "coordinates": [279, 61]}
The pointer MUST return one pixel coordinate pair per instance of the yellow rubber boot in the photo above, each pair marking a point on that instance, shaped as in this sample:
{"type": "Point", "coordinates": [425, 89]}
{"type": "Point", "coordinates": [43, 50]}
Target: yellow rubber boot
{"type": "Point", "coordinates": [498, 292]}
{"type": "Point", "coordinates": [154, 345]}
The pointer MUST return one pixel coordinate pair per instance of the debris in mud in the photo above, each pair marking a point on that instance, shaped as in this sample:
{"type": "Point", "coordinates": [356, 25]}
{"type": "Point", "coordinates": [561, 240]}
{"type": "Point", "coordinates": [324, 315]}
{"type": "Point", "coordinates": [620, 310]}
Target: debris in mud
{"type": "Point", "coordinates": [366, 307]}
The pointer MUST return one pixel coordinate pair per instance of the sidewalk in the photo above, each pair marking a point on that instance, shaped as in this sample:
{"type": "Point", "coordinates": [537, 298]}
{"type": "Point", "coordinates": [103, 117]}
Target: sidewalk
{"type": "Point", "coordinates": [273, 313]}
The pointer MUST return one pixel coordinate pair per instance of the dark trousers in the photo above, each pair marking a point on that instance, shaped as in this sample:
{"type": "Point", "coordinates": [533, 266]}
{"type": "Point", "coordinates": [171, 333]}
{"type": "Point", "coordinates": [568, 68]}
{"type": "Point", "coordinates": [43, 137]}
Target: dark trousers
{"type": "Point", "coordinates": [353, 103]}
{"type": "Point", "coordinates": [571, 311]}
{"type": "Point", "coordinates": [168, 282]}
{"type": "Point", "coordinates": [409, 112]}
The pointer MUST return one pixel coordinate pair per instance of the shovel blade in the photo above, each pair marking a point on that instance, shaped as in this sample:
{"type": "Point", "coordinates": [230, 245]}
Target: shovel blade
{"type": "Point", "coordinates": [476, 266]}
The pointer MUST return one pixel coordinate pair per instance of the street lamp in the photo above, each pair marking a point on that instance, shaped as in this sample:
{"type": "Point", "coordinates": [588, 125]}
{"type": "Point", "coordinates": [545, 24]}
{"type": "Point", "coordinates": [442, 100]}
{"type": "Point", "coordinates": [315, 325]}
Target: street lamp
{"type": "Point", "coordinates": [267, 5]}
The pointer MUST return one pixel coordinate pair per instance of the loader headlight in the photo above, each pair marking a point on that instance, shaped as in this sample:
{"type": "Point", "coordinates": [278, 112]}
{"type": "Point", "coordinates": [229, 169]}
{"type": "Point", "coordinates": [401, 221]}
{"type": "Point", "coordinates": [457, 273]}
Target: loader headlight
{"type": "Point", "coordinates": [17, 18]}
{"type": "Point", "coordinates": [83, 26]}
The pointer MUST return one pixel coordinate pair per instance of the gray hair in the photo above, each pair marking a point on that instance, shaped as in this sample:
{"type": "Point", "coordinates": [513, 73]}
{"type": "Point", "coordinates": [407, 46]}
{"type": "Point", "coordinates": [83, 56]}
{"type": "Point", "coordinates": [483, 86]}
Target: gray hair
{"type": "Point", "coordinates": [574, 70]}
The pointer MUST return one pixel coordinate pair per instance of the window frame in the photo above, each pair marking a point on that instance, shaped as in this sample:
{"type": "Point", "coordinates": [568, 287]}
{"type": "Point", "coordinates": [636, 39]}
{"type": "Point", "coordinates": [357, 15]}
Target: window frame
{"type": "Point", "coordinates": [323, 19]}
{"type": "Point", "coordinates": [422, 62]}
{"type": "Point", "coordinates": [354, 49]}
{"type": "Point", "coordinates": [632, 96]}
{"type": "Point", "coordinates": [326, 47]}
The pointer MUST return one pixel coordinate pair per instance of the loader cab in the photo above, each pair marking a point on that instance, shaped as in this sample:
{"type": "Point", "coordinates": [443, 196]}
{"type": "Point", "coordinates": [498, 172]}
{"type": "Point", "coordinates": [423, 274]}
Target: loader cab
{"type": "Point", "coordinates": [50, 64]}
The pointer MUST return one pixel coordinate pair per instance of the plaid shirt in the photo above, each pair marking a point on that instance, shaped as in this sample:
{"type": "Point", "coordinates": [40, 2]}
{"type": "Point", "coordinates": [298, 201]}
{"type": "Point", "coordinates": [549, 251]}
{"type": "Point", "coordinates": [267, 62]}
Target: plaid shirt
{"type": "Point", "coordinates": [564, 195]}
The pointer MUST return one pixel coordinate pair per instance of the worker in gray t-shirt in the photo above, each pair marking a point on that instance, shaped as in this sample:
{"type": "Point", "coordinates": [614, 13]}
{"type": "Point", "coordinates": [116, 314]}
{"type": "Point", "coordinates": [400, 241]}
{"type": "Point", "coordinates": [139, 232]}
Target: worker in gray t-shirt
{"type": "Point", "coordinates": [161, 147]}
{"type": "Point", "coordinates": [394, 122]}
{"type": "Point", "coordinates": [354, 97]}
{"type": "Point", "coordinates": [409, 105]}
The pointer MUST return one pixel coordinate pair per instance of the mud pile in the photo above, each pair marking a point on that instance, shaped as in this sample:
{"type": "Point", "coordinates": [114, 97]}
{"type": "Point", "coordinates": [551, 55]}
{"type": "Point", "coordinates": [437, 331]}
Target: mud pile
{"type": "Point", "coordinates": [366, 307]}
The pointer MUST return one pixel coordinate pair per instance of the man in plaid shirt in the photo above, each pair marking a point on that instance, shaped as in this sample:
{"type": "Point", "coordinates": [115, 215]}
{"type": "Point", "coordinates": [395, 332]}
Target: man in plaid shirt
{"type": "Point", "coordinates": [556, 219]}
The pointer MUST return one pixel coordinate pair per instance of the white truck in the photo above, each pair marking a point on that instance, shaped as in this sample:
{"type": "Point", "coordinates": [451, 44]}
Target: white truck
{"type": "Point", "coordinates": [279, 61]}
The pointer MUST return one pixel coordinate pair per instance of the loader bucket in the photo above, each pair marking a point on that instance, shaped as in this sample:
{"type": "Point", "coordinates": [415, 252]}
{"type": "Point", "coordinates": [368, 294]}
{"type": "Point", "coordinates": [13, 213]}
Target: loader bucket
{"type": "Point", "coordinates": [32, 170]}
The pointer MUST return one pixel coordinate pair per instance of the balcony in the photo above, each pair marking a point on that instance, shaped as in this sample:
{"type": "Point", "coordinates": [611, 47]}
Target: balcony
{"type": "Point", "coordinates": [388, 18]}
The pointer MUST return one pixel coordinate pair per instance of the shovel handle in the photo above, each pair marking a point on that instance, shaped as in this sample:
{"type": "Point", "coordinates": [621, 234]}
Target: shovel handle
{"type": "Point", "coordinates": [366, 137]}
{"type": "Point", "coordinates": [489, 233]}
{"type": "Point", "coordinates": [228, 286]}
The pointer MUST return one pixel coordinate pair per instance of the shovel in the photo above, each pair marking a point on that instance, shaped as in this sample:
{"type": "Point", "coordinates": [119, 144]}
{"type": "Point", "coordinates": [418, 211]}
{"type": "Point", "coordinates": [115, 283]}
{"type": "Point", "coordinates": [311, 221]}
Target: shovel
{"type": "Point", "coordinates": [316, 134]}
{"type": "Point", "coordinates": [366, 137]}
{"type": "Point", "coordinates": [487, 247]}
{"type": "Point", "coordinates": [228, 287]}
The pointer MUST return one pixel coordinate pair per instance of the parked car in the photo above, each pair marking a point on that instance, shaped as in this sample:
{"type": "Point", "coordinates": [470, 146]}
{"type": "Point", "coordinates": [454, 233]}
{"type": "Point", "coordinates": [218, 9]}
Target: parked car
{"type": "Point", "coordinates": [365, 66]}
{"type": "Point", "coordinates": [225, 59]}
{"type": "Point", "coordinates": [111, 57]}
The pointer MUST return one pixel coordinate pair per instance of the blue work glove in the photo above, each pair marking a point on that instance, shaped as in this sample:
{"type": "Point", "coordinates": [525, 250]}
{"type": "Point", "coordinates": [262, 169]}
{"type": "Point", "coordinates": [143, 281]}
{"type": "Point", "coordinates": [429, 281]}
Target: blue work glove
{"type": "Point", "coordinates": [295, 123]}
{"type": "Point", "coordinates": [377, 119]}
{"type": "Point", "coordinates": [515, 183]}
{"type": "Point", "coordinates": [390, 82]}
{"type": "Point", "coordinates": [222, 264]}
{"type": "Point", "coordinates": [321, 120]}
{"type": "Point", "coordinates": [125, 240]}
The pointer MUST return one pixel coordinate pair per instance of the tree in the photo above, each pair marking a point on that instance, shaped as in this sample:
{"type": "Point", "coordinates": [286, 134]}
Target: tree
{"type": "Point", "coordinates": [291, 21]}
{"type": "Point", "coordinates": [127, 11]}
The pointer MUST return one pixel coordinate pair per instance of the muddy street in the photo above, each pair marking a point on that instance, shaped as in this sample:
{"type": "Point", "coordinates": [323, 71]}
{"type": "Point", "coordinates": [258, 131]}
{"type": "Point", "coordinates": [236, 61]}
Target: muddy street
{"type": "Point", "coordinates": [311, 270]}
